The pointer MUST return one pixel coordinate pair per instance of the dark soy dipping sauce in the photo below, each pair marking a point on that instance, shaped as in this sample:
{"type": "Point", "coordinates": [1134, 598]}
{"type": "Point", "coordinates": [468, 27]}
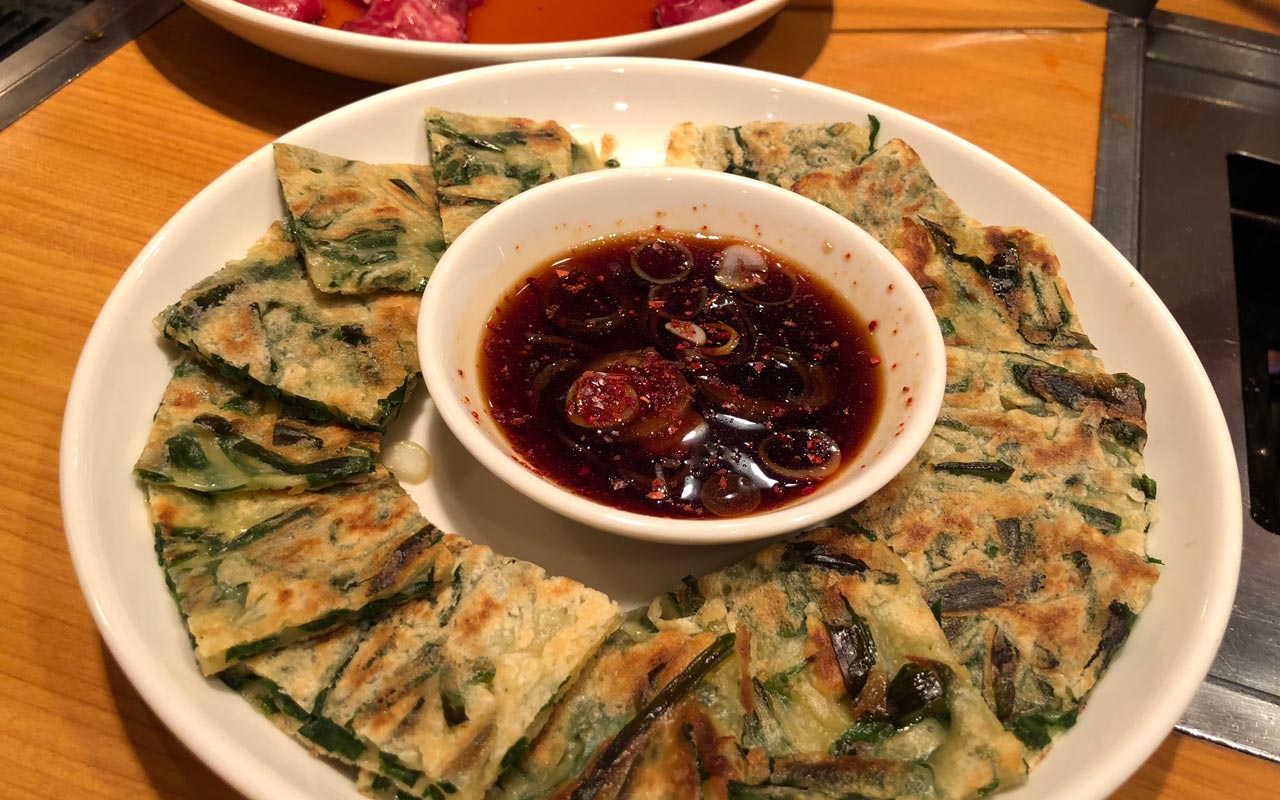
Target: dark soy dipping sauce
{"type": "Point", "coordinates": [680, 375]}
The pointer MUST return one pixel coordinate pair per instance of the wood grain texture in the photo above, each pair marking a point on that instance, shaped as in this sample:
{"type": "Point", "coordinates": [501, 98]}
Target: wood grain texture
{"type": "Point", "coordinates": [89, 176]}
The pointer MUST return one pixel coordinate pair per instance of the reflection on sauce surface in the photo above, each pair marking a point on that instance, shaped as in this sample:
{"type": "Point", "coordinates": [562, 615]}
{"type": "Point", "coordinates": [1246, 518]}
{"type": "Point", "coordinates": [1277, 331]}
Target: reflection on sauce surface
{"type": "Point", "coordinates": [680, 375]}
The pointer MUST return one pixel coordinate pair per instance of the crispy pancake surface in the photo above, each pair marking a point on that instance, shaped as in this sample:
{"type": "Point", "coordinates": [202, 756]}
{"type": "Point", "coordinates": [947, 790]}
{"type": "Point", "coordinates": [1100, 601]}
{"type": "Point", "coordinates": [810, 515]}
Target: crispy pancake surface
{"type": "Point", "coordinates": [260, 319]}
{"type": "Point", "coordinates": [440, 690]}
{"type": "Point", "coordinates": [775, 152]}
{"type": "Point", "coordinates": [212, 434]}
{"type": "Point", "coordinates": [481, 161]}
{"type": "Point", "coordinates": [361, 227]}
{"type": "Point", "coordinates": [254, 571]}
{"type": "Point", "coordinates": [815, 665]}
{"type": "Point", "coordinates": [1024, 517]}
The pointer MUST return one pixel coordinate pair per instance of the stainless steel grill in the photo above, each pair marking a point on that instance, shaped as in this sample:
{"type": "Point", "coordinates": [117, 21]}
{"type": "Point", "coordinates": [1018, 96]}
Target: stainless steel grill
{"type": "Point", "coordinates": [1188, 165]}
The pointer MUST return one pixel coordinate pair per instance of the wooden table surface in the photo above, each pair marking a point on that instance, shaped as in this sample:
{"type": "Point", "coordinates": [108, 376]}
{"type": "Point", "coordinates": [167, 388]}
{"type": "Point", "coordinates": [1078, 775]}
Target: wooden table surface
{"type": "Point", "coordinates": [91, 174]}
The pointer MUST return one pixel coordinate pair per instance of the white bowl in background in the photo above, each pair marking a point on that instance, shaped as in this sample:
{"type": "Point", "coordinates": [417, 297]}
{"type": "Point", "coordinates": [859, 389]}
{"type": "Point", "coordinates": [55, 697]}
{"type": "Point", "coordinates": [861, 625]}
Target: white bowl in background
{"type": "Point", "coordinates": [493, 257]}
{"type": "Point", "coordinates": [378, 58]}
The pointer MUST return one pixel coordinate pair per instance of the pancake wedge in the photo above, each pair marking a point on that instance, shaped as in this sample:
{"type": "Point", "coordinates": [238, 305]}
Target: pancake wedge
{"type": "Point", "coordinates": [361, 227]}
{"type": "Point", "coordinates": [481, 161]}
{"type": "Point", "coordinates": [816, 665]}
{"type": "Point", "coordinates": [211, 434]}
{"type": "Point", "coordinates": [435, 696]}
{"type": "Point", "coordinates": [1024, 517]}
{"type": "Point", "coordinates": [329, 357]}
{"type": "Point", "coordinates": [255, 571]}
{"type": "Point", "coordinates": [774, 152]}
{"type": "Point", "coordinates": [1024, 520]}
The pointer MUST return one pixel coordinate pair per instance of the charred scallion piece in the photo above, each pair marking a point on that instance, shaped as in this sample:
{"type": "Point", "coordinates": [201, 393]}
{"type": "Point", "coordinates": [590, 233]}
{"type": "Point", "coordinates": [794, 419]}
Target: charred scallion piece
{"type": "Point", "coordinates": [814, 555]}
{"type": "Point", "coordinates": [994, 471]}
{"type": "Point", "coordinates": [1119, 622]}
{"type": "Point", "coordinates": [867, 728]}
{"type": "Point", "coordinates": [916, 692]}
{"type": "Point", "coordinates": [855, 651]}
{"type": "Point", "coordinates": [673, 692]}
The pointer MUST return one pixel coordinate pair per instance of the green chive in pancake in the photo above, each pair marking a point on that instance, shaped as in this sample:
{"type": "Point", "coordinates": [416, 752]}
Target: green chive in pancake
{"type": "Point", "coordinates": [212, 434]}
{"type": "Point", "coordinates": [827, 662]}
{"type": "Point", "coordinates": [1024, 518]}
{"type": "Point", "coordinates": [442, 689]}
{"type": "Point", "coordinates": [255, 571]}
{"type": "Point", "coordinates": [329, 357]}
{"type": "Point", "coordinates": [774, 152]}
{"type": "Point", "coordinates": [481, 161]}
{"type": "Point", "coordinates": [361, 227]}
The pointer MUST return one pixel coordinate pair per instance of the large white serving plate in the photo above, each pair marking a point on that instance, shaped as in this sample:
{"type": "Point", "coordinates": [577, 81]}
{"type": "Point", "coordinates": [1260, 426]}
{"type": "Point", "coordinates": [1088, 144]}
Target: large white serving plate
{"type": "Point", "coordinates": [124, 368]}
{"type": "Point", "coordinates": [377, 58]}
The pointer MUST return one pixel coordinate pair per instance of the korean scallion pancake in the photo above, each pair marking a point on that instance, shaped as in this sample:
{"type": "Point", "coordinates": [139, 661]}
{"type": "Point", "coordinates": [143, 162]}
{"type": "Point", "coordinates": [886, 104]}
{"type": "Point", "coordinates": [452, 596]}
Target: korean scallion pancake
{"type": "Point", "coordinates": [992, 288]}
{"type": "Point", "coordinates": [440, 691]}
{"type": "Point", "coordinates": [585, 158]}
{"type": "Point", "coordinates": [255, 571]}
{"type": "Point", "coordinates": [260, 319]}
{"type": "Point", "coordinates": [775, 152]}
{"type": "Point", "coordinates": [1024, 517]}
{"type": "Point", "coordinates": [361, 227]}
{"type": "Point", "coordinates": [815, 665]}
{"type": "Point", "coordinates": [212, 434]}
{"type": "Point", "coordinates": [481, 161]}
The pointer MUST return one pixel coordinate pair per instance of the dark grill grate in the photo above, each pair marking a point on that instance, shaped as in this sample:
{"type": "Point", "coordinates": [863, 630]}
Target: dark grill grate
{"type": "Point", "coordinates": [20, 22]}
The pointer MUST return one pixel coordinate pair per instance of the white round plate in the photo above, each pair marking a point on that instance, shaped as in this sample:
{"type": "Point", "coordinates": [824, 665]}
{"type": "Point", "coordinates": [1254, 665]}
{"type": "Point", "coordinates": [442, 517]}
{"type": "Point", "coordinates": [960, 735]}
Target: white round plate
{"type": "Point", "coordinates": [377, 58]}
{"type": "Point", "coordinates": [124, 368]}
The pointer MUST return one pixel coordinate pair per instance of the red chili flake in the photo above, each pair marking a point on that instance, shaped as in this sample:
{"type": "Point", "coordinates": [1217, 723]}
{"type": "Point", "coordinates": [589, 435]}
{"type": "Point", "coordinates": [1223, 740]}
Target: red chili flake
{"type": "Point", "coordinates": [891, 287]}
{"type": "Point", "coordinates": [906, 389]}
{"type": "Point", "coordinates": [875, 361]}
{"type": "Point", "coordinates": [460, 373]}
{"type": "Point", "coordinates": [758, 366]}
{"type": "Point", "coordinates": [848, 256]}
{"type": "Point", "coordinates": [562, 273]}
{"type": "Point", "coordinates": [475, 416]}
{"type": "Point", "coordinates": [466, 399]}
{"type": "Point", "coordinates": [835, 344]}
{"type": "Point", "coordinates": [910, 400]}
{"type": "Point", "coordinates": [658, 228]}
{"type": "Point", "coordinates": [873, 324]}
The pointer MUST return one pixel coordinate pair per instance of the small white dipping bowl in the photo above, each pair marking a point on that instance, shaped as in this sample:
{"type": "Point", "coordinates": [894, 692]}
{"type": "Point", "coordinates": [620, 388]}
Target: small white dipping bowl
{"type": "Point", "coordinates": [527, 232]}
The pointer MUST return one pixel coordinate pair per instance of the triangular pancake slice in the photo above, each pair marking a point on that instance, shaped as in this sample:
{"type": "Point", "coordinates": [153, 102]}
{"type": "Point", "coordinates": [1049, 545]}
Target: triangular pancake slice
{"type": "Point", "coordinates": [481, 161]}
{"type": "Point", "coordinates": [255, 571]}
{"type": "Point", "coordinates": [212, 434]}
{"type": "Point", "coordinates": [774, 152]}
{"type": "Point", "coordinates": [814, 665]}
{"type": "Point", "coordinates": [330, 357]}
{"type": "Point", "coordinates": [440, 693]}
{"type": "Point", "coordinates": [361, 227]}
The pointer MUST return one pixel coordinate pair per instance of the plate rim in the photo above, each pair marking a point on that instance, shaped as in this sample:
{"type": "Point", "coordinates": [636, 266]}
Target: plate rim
{"type": "Point", "coordinates": [215, 752]}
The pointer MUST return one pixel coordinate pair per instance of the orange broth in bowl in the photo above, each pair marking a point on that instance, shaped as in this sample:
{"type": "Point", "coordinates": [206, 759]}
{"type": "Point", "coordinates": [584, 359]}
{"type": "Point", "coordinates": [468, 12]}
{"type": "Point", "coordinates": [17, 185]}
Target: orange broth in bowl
{"type": "Point", "coordinates": [530, 21]}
